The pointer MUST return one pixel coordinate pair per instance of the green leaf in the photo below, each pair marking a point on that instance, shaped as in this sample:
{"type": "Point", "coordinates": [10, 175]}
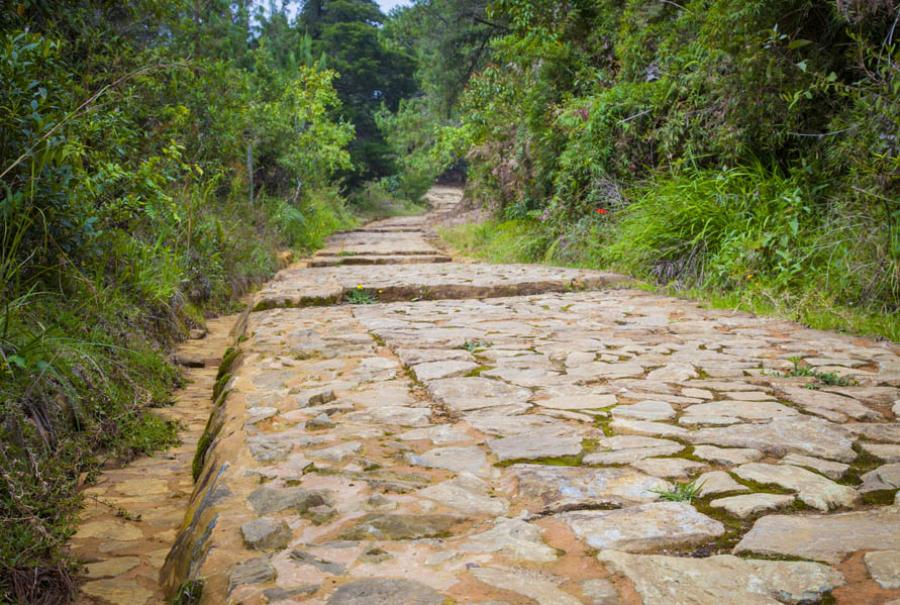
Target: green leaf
{"type": "Point", "coordinates": [798, 43]}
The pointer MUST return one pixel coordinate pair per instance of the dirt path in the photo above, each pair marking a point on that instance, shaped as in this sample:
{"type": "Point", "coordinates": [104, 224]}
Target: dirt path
{"type": "Point", "coordinates": [133, 514]}
{"type": "Point", "coordinates": [512, 435]}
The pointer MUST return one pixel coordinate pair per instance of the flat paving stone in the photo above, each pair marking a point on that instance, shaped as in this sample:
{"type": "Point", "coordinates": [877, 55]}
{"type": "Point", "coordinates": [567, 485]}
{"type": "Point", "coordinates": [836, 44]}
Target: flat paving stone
{"type": "Point", "coordinates": [889, 452]}
{"type": "Point", "coordinates": [750, 504]}
{"type": "Point", "coordinates": [467, 494]}
{"type": "Point", "coordinates": [800, 434]}
{"type": "Point", "coordinates": [541, 443]}
{"type": "Point", "coordinates": [722, 579]}
{"type": "Point", "coordinates": [460, 459]}
{"type": "Point", "coordinates": [718, 482]}
{"type": "Point", "coordinates": [645, 410]}
{"type": "Point", "coordinates": [514, 539]}
{"type": "Point", "coordinates": [668, 467]}
{"type": "Point", "coordinates": [727, 455]}
{"type": "Point", "coordinates": [379, 526]}
{"type": "Point", "coordinates": [643, 528]}
{"type": "Point", "coordinates": [533, 585]}
{"type": "Point", "coordinates": [542, 488]}
{"type": "Point", "coordinates": [472, 393]}
{"type": "Point", "coordinates": [886, 477]}
{"type": "Point", "coordinates": [827, 538]}
{"type": "Point", "coordinates": [628, 449]}
{"type": "Point", "coordinates": [884, 567]}
{"type": "Point", "coordinates": [384, 591]}
{"type": "Point", "coordinates": [744, 410]}
{"type": "Point", "coordinates": [812, 489]}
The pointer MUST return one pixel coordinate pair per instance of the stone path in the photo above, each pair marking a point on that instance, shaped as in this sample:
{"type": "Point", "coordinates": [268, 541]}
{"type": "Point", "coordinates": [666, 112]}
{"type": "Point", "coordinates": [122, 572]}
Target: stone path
{"type": "Point", "coordinates": [511, 435]}
{"type": "Point", "coordinates": [132, 514]}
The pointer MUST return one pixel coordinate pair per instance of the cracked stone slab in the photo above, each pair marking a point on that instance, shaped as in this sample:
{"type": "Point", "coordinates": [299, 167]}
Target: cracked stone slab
{"type": "Point", "coordinates": [722, 579]}
{"type": "Point", "coordinates": [543, 488]}
{"type": "Point", "coordinates": [801, 434]}
{"type": "Point", "coordinates": [385, 591]}
{"type": "Point", "coordinates": [886, 477]}
{"type": "Point", "coordinates": [812, 488]}
{"type": "Point", "coordinates": [533, 585]}
{"type": "Point", "coordinates": [644, 527]}
{"type": "Point", "coordinates": [626, 449]}
{"type": "Point", "coordinates": [514, 539]}
{"type": "Point", "coordinates": [884, 567]}
{"type": "Point", "coordinates": [746, 505]}
{"type": "Point", "coordinates": [718, 482]}
{"type": "Point", "coordinates": [541, 443]}
{"type": "Point", "coordinates": [467, 494]}
{"type": "Point", "coordinates": [471, 459]}
{"type": "Point", "coordinates": [827, 538]}
{"type": "Point", "coordinates": [472, 393]}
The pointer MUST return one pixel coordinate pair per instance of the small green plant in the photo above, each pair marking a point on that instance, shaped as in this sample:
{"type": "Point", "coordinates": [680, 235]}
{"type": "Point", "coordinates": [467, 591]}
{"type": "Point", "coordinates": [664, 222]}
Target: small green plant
{"type": "Point", "coordinates": [360, 296]}
{"type": "Point", "coordinates": [189, 593]}
{"type": "Point", "coordinates": [473, 345]}
{"type": "Point", "coordinates": [821, 378]}
{"type": "Point", "coordinates": [681, 492]}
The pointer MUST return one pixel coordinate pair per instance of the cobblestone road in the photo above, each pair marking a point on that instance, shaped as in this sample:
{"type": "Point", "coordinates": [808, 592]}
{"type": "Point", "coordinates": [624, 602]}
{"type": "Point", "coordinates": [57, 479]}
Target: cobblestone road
{"type": "Point", "coordinates": [531, 435]}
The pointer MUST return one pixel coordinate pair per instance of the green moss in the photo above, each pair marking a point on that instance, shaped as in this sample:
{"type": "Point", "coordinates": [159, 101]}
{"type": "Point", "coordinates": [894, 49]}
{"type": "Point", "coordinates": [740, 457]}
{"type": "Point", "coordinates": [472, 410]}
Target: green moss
{"type": "Point", "coordinates": [603, 423]}
{"type": "Point", "coordinates": [883, 497]}
{"type": "Point", "coordinates": [219, 387]}
{"type": "Point", "coordinates": [549, 461]}
{"type": "Point", "coordinates": [228, 358]}
{"type": "Point", "coordinates": [475, 372]}
{"type": "Point", "coordinates": [150, 433]}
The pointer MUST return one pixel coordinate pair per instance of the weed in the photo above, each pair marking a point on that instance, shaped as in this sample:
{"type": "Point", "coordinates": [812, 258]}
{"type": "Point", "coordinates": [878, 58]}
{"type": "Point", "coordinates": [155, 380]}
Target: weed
{"type": "Point", "coordinates": [681, 492]}
{"type": "Point", "coordinates": [821, 378]}
{"type": "Point", "coordinates": [473, 346]}
{"type": "Point", "coordinates": [189, 593]}
{"type": "Point", "coordinates": [360, 296]}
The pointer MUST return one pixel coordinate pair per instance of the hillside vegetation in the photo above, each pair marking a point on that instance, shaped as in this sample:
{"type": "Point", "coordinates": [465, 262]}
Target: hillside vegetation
{"type": "Point", "coordinates": [744, 151]}
{"type": "Point", "coordinates": [156, 157]}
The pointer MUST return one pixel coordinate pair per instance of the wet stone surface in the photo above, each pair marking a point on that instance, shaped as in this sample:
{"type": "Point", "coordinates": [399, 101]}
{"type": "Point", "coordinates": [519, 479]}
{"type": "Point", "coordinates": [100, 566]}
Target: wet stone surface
{"type": "Point", "coordinates": [513, 435]}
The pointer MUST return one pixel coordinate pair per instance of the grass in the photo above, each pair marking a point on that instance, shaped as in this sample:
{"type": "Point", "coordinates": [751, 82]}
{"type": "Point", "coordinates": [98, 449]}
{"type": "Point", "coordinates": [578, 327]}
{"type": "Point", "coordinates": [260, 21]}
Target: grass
{"type": "Point", "coordinates": [375, 202]}
{"type": "Point", "coordinates": [820, 378]}
{"type": "Point", "coordinates": [473, 346]}
{"type": "Point", "coordinates": [680, 492]}
{"type": "Point", "coordinates": [83, 361]}
{"type": "Point", "coordinates": [529, 241]}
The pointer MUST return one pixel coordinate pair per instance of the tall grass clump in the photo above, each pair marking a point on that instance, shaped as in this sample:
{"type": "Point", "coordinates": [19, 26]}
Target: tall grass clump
{"type": "Point", "coordinates": [153, 165]}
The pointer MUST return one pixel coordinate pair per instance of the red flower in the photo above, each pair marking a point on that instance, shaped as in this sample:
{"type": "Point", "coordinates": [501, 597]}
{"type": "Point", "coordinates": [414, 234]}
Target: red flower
{"type": "Point", "coordinates": [601, 211]}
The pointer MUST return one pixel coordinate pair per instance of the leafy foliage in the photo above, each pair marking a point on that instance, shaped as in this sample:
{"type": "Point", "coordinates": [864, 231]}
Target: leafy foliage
{"type": "Point", "coordinates": [155, 157]}
{"type": "Point", "coordinates": [373, 74]}
{"type": "Point", "coordinates": [741, 149]}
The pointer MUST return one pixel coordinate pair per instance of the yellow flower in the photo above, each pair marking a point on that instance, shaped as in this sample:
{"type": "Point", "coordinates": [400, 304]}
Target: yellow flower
{"type": "Point", "coordinates": [359, 286]}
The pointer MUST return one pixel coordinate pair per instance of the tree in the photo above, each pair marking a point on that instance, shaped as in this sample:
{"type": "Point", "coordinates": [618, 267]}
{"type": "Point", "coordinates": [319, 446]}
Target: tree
{"type": "Point", "coordinates": [371, 74]}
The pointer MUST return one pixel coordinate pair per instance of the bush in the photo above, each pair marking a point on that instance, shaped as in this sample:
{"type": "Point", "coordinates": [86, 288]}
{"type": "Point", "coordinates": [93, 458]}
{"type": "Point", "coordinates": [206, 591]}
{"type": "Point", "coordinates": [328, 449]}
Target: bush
{"type": "Point", "coordinates": [128, 211]}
